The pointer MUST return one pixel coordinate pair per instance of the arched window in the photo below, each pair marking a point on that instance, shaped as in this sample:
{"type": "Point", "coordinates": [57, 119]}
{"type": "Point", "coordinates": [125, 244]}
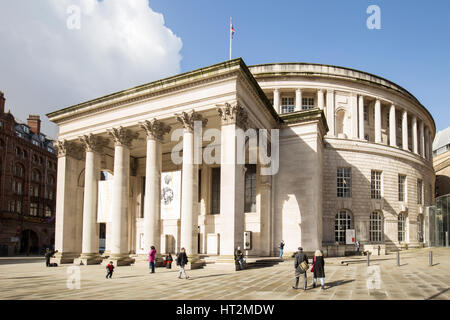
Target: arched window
{"type": "Point", "coordinates": [340, 122]}
{"type": "Point", "coordinates": [376, 227]}
{"type": "Point", "coordinates": [343, 222]}
{"type": "Point", "coordinates": [19, 170]}
{"type": "Point", "coordinates": [51, 180]}
{"type": "Point", "coordinates": [35, 176]}
{"type": "Point", "coordinates": [401, 227]}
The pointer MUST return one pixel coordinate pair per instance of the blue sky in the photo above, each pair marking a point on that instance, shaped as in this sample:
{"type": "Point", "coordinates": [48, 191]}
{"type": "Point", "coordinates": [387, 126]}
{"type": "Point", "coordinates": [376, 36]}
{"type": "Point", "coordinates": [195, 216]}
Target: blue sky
{"type": "Point", "coordinates": [411, 49]}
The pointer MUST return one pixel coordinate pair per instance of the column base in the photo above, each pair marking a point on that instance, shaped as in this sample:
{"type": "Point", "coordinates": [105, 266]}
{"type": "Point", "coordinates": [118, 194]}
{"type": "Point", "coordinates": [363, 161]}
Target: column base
{"type": "Point", "coordinates": [119, 260]}
{"type": "Point", "coordinates": [88, 259]}
{"type": "Point", "coordinates": [64, 257]}
{"type": "Point", "coordinates": [194, 262]}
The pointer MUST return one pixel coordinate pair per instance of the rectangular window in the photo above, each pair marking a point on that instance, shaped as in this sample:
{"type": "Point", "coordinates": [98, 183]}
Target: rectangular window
{"type": "Point", "coordinates": [419, 191]}
{"type": "Point", "coordinates": [375, 184]}
{"type": "Point", "coordinates": [215, 190]}
{"type": "Point", "coordinates": [366, 113]}
{"type": "Point", "coordinates": [11, 206]}
{"type": "Point", "coordinates": [344, 183]}
{"type": "Point", "coordinates": [19, 207]}
{"type": "Point", "coordinates": [307, 103]}
{"type": "Point", "coordinates": [287, 104]}
{"type": "Point", "coordinates": [401, 187]}
{"type": "Point", "coordinates": [33, 209]}
{"type": "Point", "coordinates": [250, 188]}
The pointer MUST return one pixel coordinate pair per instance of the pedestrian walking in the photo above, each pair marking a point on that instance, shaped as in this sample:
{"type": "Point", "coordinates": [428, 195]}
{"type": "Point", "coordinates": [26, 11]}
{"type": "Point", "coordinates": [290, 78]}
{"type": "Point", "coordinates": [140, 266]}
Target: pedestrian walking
{"type": "Point", "coordinates": [318, 269]}
{"type": "Point", "coordinates": [239, 258]}
{"type": "Point", "coordinates": [109, 270]}
{"type": "Point", "coordinates": [182, 261]}
{"type": "Point", "coordinates": [152, 259]}
{"type": "Point", "coordinates": [281, 246]}
{"type": "Point", "coordinates": [357, 244]}
{"type": "Point", "coordinates": [301, 266]}
{"type": "Point", "coordinates": [169, 260]}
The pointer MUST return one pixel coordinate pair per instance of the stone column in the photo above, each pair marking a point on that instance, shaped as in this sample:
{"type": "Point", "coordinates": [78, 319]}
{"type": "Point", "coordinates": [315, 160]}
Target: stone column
{"type": "Point", "coordinates": [414, 134]}
{"type": "Point", "coordinates": [320, 99]}
{"type": "Point", "coordinates": [231, 182]}
{"type": "Point", "coordinates": [361, 118]}
{"type": "Point", "coordinates": [67, 231]}
{"type": "Point", "coordinates": [377, 121]}
{"type": "Point", "coordinates": [276, 100]}
{"type": "Point", "coordinates": [298, 99]}
{"type": "Point", "coordinates": [392, 127]}
{"type": "Point", "coordinates": [405, 130]}
{"type": "Point", "coordinates": [155, 131]}
{"type": "Point", "coordinates": [330, 112]}
{"type": "Point", "coordinates": [90, 246]}
{"type": "Point", "coordinates": [189, 204]}
{"type": "Point", "coordinates": [354, 105]}
{"type": "Point", "coordinates": [422, 139]}
{"type": "Point", "coordinates": [121, 185]}
{"type": "Point", "coordinates": [430, 145]}
{"type": "Point", "coordinates": [426, 154]}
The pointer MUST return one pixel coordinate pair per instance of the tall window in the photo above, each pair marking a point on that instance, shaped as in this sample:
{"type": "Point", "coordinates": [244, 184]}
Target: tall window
{"type": "Point", "coordinates": [250, 188]}
{"type": "Point", "coordinates": [366, 113]}
{"type": "Point", "coordinates": [419, 191]}
{"type": "Point", "coordinates": [342, 222]}
{"type": "Point", "coordinates": [375, 184]}
{"type": "Point", "coordinates": [35, 176]}
{"type": "Point", "coordinates": [344, 183]}
{"type": "Point", "coordinates": [33, 209]}
{"type": "Point", "coordinates": [18, 170]}
{"type": "Point", "coordinates": [401, 227]}
{"type": "Point", "coordinates": [19, 206]}
{"type": "Point", "coordinates": [287, 104]}
{"type": "Point", "coordinates": [401, 187]}
{"type": "Point", "coordinates": [375, 227]}
{"type": "Point", "coordinates": [307, 103]}
{"type": "Point", "coordinates": [215, 190]}
{"type": "Point", "coordinates": [48, 212]}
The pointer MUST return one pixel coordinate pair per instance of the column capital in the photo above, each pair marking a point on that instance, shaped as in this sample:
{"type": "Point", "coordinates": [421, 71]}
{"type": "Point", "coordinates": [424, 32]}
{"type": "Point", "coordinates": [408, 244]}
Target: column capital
{"type": "Point", "coordinates": [93, 143]}
{"type": "Point", "coordinates": [155, 129]}
{"type": "Point", "coordinates": [122, 136]}
{"type": "Point", "coordinates": [68, 148]}
{"type": "Point", "coordinates": [187, 119]}
{"type": "Point", "coordinates": [233, 114]}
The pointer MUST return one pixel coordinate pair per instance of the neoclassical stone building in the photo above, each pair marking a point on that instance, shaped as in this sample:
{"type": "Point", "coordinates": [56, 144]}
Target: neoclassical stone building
{"type": "Point", "coordinates": [354, 153]}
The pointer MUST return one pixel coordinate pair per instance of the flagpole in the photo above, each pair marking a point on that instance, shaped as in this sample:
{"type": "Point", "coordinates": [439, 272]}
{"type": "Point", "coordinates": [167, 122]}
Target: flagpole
{"type": "Point", "coordinates": [231, 36]}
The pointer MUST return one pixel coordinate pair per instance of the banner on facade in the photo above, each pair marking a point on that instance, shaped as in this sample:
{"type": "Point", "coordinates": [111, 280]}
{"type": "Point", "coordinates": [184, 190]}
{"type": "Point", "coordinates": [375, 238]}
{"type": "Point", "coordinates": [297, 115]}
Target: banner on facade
{"type": "Point", "coordinates": [104, 201]}
{"type": "Point", "coordinates": [170, 195]}
{"type": "Point", "coordinates": [350, 236]}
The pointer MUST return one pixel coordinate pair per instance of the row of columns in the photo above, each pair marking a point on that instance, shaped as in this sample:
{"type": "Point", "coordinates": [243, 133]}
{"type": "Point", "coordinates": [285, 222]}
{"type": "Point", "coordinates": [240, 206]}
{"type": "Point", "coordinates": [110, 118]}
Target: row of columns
{"type": "Point", "coordinates": [232, 184]}
{"type": "Point", "coordinates": [420, 136]}
{"type": "Point", "coordinates": [298, 99]}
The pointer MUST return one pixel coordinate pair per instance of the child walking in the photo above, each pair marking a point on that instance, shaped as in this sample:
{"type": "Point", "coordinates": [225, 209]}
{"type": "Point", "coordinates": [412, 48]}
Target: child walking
{"type": "Point", "coordinates": [109, 270]}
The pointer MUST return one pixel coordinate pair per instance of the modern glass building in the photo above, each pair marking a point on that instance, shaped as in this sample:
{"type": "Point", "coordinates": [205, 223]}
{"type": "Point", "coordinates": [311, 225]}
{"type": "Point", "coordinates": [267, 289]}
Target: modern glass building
{"type": "Point", "coordinates": [437, 223]}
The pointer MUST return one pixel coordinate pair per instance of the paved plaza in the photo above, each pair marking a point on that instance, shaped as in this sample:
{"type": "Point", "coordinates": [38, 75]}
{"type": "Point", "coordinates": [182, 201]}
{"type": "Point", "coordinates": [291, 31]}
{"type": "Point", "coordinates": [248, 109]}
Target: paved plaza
{"type": "Point", "coordinates": [28, 278]}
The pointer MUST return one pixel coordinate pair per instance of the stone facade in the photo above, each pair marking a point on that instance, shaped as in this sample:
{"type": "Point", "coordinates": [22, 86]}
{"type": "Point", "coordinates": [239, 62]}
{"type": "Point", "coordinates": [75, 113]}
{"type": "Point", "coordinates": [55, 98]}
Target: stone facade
{"type": "Point", "coordinates": [27, 185]}
{"type": "Point", "coordinates": [319, 115]}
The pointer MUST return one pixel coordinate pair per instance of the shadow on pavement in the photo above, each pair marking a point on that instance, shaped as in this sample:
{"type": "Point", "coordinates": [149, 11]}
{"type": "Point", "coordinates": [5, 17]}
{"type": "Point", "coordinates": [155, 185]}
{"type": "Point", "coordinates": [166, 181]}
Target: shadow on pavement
{"type": "Point", "coordinates": [329, 285]}
{"type": "Point", "coordinates": [437, 294]}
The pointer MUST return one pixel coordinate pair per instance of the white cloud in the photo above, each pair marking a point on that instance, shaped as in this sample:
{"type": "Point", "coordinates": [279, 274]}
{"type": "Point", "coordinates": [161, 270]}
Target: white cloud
{"type": "Point", "coordinates": [45, 66]}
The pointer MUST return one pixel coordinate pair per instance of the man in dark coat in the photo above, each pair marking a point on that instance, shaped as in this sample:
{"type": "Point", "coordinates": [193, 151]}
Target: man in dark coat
{"type": "Point", "coordinates": [300, 256]}
{"type": "Point", "coordinates": [48, 254]}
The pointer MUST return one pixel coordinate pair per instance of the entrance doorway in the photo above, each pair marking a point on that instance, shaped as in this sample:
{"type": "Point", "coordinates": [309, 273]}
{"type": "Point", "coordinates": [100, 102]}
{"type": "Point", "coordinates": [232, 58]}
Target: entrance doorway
{"type": "Point", "coordinates": [29, 242]}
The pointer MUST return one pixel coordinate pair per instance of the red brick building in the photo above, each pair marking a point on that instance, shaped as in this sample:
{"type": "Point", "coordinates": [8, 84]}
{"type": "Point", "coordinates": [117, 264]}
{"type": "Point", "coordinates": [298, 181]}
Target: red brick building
{"type": "Point", "coordinates": [27, 185]}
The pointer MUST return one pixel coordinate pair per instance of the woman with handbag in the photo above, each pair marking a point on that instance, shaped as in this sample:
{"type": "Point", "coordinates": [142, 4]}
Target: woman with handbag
{"type": "Point", "coordinates": [318, 269]}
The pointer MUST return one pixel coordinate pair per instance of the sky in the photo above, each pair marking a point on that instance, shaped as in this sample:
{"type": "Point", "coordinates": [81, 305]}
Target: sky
{"type": "Point", "coordinates": [45, 66]}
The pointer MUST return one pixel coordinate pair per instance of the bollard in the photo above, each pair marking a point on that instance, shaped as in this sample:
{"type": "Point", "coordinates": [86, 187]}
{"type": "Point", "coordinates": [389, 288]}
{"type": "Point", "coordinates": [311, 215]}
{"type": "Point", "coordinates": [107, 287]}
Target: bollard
{"type": "Point", "coordinates": [431, 258]}
{"type": "Point", "coordinates": [368, 258]}
{"type": "Point", "coordinates": [398, 258]}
